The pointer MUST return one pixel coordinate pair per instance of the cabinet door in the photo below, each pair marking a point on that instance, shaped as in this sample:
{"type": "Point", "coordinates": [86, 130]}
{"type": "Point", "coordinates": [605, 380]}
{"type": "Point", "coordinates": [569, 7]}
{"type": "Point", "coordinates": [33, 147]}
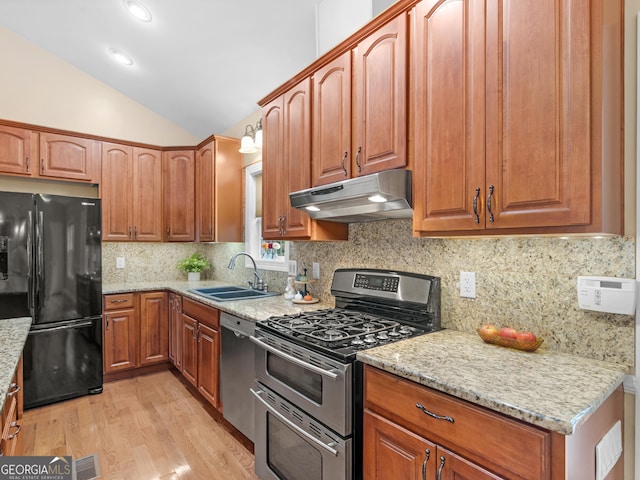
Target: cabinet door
{"type": "Point", "coordinates": [332, 121]}
{"type": "Point", "coordinates": [273, 187]}
{"type": "Point", "coordinates": [18, 150]}
{"type": "Point", "coordinates": [538, 113]}
{"type": "Point", "coordinates": [178, 176]}
{"type": "Point", "coordinates": [190, 349]}
{"type": "Point", "coordinates": [154, 328]}
{"type": "Point", "coordinates": [228, 212]}
{"type": "Point", "coordinates": [173, 327]}
{"type": "Point", "coordinates": [449, 92]}
{"type": "Point", "coordinates": [120, 340]}
{"type": "Point", "coordinates": [205, 193]}
{"type": "Point", "coordinates": [115, 190]}
{"type": "Point", "coordinates": [67, 157]}
{"type": "Point", "coordinates": [453, 467]}
{"type": "Point", "coordinates": [297, 157]}
{"type": "Point", "coordinates": [147, 195]}
{"type": "Point", "coordinates": [208, 361]}
{"type": "Point", "coordinates": [391, 451]}
{"type": "Point", "coordinates": [380, 100]}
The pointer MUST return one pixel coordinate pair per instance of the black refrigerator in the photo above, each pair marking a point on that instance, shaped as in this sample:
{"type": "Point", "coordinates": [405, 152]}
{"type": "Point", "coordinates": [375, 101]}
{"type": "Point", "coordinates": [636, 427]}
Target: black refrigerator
{"type": "Point", "coordinates": [51, 271]}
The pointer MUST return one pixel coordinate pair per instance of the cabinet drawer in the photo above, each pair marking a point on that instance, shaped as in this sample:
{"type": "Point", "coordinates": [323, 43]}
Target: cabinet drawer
{"type": "Point", "coordinates": [203, 313]}
{"type": "Point", "coordinates": [119, 301]}
{"type": "Point", "coordinates": [509, 447]}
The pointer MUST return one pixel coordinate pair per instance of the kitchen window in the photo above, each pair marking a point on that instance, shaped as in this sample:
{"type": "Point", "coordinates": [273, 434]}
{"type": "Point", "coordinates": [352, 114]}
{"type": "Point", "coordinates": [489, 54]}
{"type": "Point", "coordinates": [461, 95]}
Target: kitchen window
{"type": "Point", "coordinates": [269, 254]}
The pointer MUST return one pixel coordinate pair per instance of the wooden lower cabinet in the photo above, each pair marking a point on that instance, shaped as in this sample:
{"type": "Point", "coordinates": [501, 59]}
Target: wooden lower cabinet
{"type": "Point", "coordinates": [201, 348]}
{"type": "Point", "coordinates": [135, 330]}
{"type": "Point", "coordinates": [391, 451]}
{"type": "Point", "coordinates": [11, 424]}
{"type": "Point", "coordinates": [175, 330]}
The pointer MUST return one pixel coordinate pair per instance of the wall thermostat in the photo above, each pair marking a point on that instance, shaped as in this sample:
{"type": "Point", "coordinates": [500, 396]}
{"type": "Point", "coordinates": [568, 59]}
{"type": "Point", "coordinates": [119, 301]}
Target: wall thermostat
{"type": "Point", "coordinates": [607, 294]}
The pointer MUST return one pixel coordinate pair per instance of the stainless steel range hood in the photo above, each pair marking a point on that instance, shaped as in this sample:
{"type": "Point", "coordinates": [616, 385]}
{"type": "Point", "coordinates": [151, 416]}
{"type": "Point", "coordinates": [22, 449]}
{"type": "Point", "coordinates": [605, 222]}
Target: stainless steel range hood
{"type": "Point", "coordinates": [377, 196]}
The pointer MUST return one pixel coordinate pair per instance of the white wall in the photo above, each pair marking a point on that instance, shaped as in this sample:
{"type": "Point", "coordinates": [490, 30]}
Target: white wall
{"type": "Point", "coordinates": [39, 88]}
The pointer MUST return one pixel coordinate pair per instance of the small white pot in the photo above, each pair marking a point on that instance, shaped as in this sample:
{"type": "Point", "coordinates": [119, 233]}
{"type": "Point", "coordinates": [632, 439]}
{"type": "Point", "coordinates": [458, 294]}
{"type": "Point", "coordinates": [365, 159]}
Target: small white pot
{"type": "Point", "coordinates": [193, 276]}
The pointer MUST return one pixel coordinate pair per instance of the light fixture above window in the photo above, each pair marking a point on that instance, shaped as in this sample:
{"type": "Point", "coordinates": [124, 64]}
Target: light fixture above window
{"type": "Point", "coordinates": [252, 138]}
{"type": "Point", "coordinates": [138, 10]}
{"type": "Point", "coordinates": [121, 57]}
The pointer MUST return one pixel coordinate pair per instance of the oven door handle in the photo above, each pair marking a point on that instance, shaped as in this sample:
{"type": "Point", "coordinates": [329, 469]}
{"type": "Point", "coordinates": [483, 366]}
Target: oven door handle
{"type": "Point", "coordinates": [292, 359]}
{"type": "Point", "coordinates": [292, 425]}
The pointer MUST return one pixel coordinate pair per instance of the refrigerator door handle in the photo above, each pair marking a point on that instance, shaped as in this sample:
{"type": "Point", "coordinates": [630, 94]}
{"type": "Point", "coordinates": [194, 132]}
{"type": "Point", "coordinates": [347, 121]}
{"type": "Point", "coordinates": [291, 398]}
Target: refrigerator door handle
{"type": "Point", "coordinates": [61, 327]}
{"type": "Point", "coordinates": [40, 260]}
{"type": "Point", "coordinates": [30, 286]}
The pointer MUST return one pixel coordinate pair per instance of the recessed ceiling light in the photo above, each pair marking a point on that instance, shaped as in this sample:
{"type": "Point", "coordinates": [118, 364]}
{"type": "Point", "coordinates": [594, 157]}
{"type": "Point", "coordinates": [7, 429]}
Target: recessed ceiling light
{"type": "Point", "coordinates": [138, 10]}
{"type": "Point", "coordinates": [120, 56]}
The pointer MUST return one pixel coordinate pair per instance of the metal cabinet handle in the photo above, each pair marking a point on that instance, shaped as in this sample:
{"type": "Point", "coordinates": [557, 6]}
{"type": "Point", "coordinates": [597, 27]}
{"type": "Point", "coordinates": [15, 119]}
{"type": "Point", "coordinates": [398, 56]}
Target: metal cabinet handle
{"type": "Point", "coordinates": [42, 166]}
{"type": "Point", "coordinates": [358, 159]}
{"type": "Point", "coordinates": [489, 203]}
{"type": "Point", "coordinates": [292, 425]}
{"type": "Point", "coordinates": [13, 389]}
{"type": "Point", "coordinates": [129, 232]}
{"type": "Point", "coordinates": [344, 158]}
{"type": "Point", "coordinates": [427, 454]}
{"type": "Point", "coordinates": [107, 325]}
{"type": "Point", "coordinates": [120, 300]}
{"type": "Point", "coordinates": [442, 459]}
{"type": "Point", "coordinates": [284, 222]}
{"type": "Point", "coordinates": [198, 334]}
{"type": "Point", "coordinates": [135, 232]}
{"type": "Point", "coordinates": [475, 205]}
{"type": "Point", "coordinates": [26, 169]}
{"type": "Point", "coordinates": [14, 434]}
{"type": "Point", "coordinates": [290, 358]}
{"type": "Point", "coordinates": [434, 415]}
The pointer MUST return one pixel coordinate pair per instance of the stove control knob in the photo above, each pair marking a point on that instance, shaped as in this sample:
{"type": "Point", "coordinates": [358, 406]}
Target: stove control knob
{"type": "Point", "coordinates": [357, 342]}
{"type": "Point", "coordinates": [370, 340]}
{"type": "Point", "coordinates": [383, 336]}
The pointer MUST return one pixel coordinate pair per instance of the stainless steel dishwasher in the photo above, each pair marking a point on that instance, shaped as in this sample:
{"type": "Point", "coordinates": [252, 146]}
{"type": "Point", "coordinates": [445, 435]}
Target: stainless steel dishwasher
{"type": "Point", "coordinates": [237, 372]}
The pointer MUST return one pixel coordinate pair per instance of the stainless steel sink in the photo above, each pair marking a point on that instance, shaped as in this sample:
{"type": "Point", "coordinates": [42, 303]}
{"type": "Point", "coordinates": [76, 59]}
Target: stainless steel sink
{"type": "Point", "coordinates": [224, 294]}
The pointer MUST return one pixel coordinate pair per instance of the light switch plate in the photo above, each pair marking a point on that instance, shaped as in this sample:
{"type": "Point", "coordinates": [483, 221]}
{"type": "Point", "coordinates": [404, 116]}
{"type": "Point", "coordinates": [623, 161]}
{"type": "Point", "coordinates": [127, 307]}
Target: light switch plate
{"type": "Point", "coordinates": [315, 266]}
{"type": "Point", "coordinates": [293, 267]}
{"type": "Point", "coordinates": [119, 262]}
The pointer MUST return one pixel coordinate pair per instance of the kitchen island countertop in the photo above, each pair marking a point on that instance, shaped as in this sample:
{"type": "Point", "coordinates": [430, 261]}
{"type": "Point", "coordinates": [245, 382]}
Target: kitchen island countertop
{"type": "Point", "coordinates": [253, 309]}
{"type": "Point", "coordinates": [13, 336]}
{"type": "Point", "coordinates": [553, 390]}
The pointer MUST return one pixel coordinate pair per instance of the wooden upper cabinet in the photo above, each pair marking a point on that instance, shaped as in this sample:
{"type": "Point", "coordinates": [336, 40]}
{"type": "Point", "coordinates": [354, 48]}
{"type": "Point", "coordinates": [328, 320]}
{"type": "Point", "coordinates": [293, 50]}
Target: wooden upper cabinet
{"type": "Point", "coordinates": [332, 121]}
{"type": "Point", "coordinates": [178, 175]}
{"type": "Point", "coordinates": [523, 135]}
{"type": "Point", "coordinates": [131, 190]}
{"type": "Point", "coordinates": [18, 150]}
{"type": "Point", "coordinates": [449, 97]}
{"type": "Point", "coordinates": [69, 158]}
{"type": "Point", "coordinates": [219, 213]}
{"type": "Point", "coordinates": [147, 195]}
{"type": "Point", "coordinates": [115, 190]}
{"type": "Point", "coordinates": [286, 168]}
{"type": "Point", "coordinates": [380, 81]}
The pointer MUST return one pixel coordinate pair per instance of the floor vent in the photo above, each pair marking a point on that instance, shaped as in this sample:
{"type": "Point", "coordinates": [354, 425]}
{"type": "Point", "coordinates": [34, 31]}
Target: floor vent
{"type": "Point", "coordinates": [86, 468]}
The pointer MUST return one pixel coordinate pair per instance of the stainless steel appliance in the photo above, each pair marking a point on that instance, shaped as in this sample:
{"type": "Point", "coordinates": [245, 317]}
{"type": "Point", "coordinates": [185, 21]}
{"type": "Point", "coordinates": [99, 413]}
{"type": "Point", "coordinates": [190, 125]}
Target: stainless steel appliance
{"type": "Point", "coordinates": [308, 389]}
{"type": "Point", "coordinates": [237, 372]}
{"type": "Point", "coordinates": [51, 270]}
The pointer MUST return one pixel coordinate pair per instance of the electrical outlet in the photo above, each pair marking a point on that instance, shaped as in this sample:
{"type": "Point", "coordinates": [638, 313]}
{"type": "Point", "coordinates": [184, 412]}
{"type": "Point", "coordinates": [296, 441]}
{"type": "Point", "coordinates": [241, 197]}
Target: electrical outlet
{"type": "Point", "coordinates": [316, 270]}
{"type": "Point", "coordinates": [293, 267]}
{"type": "Point", "coordinates": [119, 262]}
{"type": "Point", "coordinates": [468, 284]}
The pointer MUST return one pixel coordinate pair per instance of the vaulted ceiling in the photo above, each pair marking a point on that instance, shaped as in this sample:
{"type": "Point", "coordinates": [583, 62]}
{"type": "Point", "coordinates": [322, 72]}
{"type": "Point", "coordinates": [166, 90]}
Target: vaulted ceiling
{"type": "Point", "coordinates": [203, 64]}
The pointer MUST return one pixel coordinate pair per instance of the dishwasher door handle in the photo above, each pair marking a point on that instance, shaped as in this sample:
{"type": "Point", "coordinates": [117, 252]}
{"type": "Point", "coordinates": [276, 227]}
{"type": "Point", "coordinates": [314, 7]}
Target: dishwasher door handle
{"type": "Point", "coordinates": [292, 359]}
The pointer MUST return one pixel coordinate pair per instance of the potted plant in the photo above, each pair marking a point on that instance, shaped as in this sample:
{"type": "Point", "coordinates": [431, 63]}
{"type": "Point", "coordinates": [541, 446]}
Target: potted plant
{"type": "Point", "coordinates": [194, 265]}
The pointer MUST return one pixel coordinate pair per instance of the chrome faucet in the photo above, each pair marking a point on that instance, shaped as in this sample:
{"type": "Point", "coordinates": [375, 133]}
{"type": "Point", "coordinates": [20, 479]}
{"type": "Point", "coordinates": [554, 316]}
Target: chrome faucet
{"type": "Point", "coordinates": [258, 284]}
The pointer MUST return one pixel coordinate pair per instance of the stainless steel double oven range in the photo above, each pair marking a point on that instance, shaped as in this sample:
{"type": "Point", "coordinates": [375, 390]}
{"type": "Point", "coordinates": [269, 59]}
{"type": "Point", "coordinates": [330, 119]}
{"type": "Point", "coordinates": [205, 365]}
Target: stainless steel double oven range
{"type": "Point", "coordinates": [308, 392]}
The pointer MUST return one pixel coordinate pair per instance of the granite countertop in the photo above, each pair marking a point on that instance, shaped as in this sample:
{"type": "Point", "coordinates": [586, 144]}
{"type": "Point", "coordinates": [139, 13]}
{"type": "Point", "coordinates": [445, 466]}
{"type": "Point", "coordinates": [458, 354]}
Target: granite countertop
{"type": "Point", "coordinates": [253, 309]}
{"type": "Point", "coordinates": [553, 390]}
{"type": "Point", "coordinates": [13, 336]}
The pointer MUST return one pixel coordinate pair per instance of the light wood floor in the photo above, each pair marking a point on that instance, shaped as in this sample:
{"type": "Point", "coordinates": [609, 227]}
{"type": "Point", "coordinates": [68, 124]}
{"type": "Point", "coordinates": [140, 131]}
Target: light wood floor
{"type": "Point", "coordinates": [143, 428]}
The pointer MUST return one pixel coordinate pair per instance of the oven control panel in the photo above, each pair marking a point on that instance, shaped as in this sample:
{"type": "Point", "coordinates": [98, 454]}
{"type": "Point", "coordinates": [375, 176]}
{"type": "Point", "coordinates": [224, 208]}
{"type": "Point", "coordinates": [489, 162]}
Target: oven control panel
{"type": "Point", "coordinates": [376, 282]}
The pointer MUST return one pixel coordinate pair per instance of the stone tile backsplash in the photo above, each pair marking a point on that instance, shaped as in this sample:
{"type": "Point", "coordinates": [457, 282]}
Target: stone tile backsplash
{"type": "Point", "coordinates": [528, 283]}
